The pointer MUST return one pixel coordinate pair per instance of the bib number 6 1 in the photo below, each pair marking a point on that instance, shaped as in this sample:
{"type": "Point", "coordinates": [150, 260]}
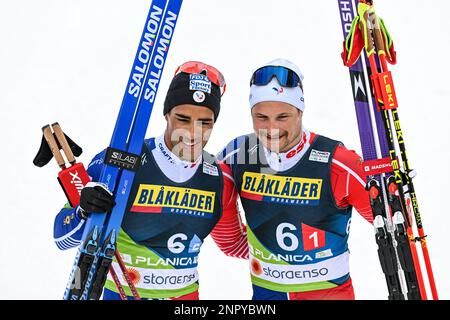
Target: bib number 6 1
{"type": "Point", "coordinates": [287, 240]}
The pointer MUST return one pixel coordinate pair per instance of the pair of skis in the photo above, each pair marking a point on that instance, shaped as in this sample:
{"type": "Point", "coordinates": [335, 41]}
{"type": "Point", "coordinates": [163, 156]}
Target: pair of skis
{"type": "Point", "coordinates": [389, 176]}
{"type": "Point", "coordinates": [98, 246]}
{"type": "Point", "coordinates": [72, 180]}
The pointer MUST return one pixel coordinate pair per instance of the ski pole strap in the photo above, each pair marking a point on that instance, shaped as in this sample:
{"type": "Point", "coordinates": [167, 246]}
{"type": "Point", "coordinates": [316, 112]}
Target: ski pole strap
{"type": "Point", "coordinates": [369, 22]}
{"type": "Point", "coordinates": [391, 54]}
{"type": "Point", "coordinates": [353, 45]}
{"type": "Point", "coordinates": [360, 36]}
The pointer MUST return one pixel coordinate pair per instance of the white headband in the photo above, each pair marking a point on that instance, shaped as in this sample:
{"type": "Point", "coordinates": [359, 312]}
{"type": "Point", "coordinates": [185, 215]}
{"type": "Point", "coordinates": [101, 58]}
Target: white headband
{"type": "Point", "coordinates": [274, 92]}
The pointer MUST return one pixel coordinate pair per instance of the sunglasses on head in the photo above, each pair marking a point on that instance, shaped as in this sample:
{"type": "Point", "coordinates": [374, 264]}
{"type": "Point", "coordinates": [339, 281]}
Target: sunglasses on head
{"type": "Point", "coordinates": [196, 67]}
{"type": "Point", "coordinates": [285, 76]}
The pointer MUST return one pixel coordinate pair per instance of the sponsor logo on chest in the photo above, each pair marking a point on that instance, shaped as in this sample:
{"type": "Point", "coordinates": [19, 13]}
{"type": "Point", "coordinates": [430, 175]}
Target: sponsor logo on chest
{"type": "Point", "coordinates": [174, 200]}
{"type": "Point", "coordinates": [281, 189]}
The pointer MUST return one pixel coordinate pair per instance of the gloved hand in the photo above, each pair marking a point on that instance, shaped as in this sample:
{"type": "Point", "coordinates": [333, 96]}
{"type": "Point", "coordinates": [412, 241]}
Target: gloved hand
{"type": "Point", "coordinates": [95, 197]}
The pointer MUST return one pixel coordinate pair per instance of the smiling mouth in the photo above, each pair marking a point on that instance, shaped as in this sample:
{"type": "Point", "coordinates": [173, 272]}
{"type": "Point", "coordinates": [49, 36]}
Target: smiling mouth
{"type": "Point", "coordinates": [190, 144]}
{"type": "Point", "coordinates": [277, 138]}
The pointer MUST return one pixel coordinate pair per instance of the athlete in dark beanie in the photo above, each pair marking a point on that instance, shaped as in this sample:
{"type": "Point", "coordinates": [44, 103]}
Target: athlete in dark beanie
{"type": "Point", "coordinates": [180, 195]}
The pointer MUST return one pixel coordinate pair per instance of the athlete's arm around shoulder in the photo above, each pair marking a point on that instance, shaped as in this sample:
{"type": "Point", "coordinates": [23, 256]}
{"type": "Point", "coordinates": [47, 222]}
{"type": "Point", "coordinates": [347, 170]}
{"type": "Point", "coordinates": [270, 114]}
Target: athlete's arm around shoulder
{"type": "Point", "coordinates": [229, 154]}
{"type": "Point", "coordinates": [230, 233]}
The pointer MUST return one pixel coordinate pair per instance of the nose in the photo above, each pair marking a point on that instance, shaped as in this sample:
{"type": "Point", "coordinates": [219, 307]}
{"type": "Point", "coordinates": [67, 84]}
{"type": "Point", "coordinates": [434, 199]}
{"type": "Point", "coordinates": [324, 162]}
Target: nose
{"type": "Point", "coordinates": [195, 131]}
{"type": "Point", "coordinates": [273, 129]}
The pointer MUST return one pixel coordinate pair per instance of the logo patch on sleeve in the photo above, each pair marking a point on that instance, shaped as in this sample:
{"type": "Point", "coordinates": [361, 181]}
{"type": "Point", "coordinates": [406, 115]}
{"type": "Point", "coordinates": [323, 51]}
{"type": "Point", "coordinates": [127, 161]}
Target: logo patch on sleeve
{"type": "Point", "coordinates": [319, 156]}
{"type": "Point", "coordinates": [199, 82]}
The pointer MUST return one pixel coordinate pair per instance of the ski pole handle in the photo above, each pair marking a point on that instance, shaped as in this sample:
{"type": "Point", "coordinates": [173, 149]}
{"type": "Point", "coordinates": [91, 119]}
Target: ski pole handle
{"type": "Point", "coordinates": [365, 28]}
{"type": "Point", "coordinates": [63, 142]}
{"type": "Point", "coordinates": [378, 36]}
{"type": "Point", "coordinates": [48, 135]}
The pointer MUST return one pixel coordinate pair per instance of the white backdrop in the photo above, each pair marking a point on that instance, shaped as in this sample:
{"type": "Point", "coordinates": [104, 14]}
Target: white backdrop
{"type": "Point", "coordinates": [69, 61]}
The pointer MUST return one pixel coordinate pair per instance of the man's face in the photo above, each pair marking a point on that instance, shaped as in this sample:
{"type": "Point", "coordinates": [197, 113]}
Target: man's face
{"type": "Point", "coordinates": [278, 125]}
{"type": "Point", "coordinates": [188, 130]}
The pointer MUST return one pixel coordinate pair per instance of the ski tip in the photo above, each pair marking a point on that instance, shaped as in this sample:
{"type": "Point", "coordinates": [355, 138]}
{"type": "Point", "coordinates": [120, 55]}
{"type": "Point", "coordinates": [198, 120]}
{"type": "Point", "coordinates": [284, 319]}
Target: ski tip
{"type": "Point", "coordinates": [45, 127]}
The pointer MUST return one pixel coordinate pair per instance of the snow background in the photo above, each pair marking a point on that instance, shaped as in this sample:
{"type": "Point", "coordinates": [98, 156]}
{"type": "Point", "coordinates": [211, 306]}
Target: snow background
{"type": "Point", "coordinates": [69, 61]}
